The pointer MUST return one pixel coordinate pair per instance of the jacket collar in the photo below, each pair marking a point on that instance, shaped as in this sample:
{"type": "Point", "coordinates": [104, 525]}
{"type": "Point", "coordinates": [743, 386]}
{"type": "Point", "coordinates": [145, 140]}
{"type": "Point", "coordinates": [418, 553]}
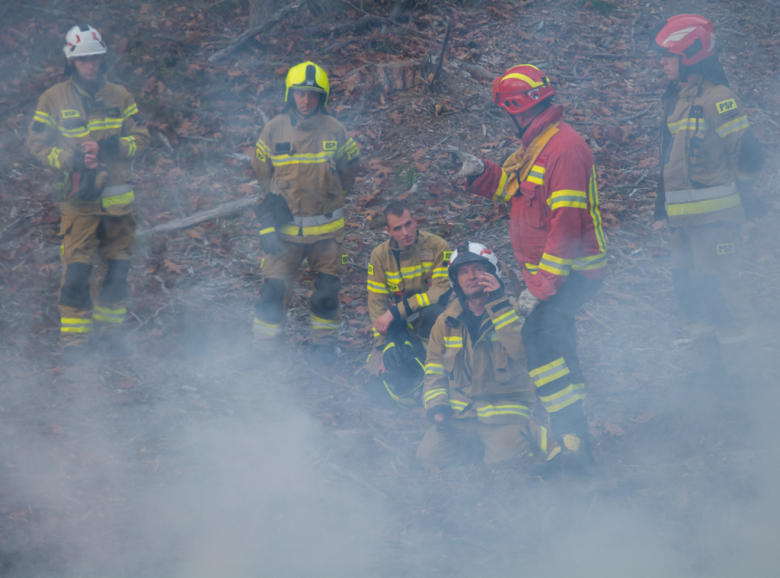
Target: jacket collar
{"type": "Point", "coordinates": [308, 123]}
{"type": "Point", "coordinates": [101, 84]}
{"type": "Point", "coordinates": [550, 116]}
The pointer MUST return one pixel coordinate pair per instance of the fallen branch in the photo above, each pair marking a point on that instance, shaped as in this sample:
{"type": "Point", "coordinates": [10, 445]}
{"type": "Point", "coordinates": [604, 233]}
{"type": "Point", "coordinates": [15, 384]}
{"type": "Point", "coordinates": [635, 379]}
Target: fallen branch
{"type": "Point", "coordinates": [441, 56]}
{"type": "Point", "coordinates": [223, 210]}
{"type": "Point", "coordinates": [265, 26]}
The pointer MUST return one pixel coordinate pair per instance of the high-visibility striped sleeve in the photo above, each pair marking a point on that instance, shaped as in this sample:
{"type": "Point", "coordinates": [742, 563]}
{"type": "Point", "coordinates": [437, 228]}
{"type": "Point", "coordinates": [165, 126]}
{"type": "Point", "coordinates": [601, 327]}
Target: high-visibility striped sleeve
{"type": "Point", "coordinates": [436, 387]}
{"type": "Point", "coordinates": [507, 324]}
{"type": "Point", "coordinates": [378, 296]}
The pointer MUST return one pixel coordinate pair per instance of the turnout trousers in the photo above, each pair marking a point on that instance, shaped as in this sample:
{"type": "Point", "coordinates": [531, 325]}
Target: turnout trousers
{"type": "Point", "coordinates": [718, 314]}
{"type": "Point", "coordinates": [499, 443]}
{"type": "Point", "coordinates": [86, 301]}
{"type": "Point", "coordinates": [327, 260]}
{"type": "Point", "coordinates": [550, 341]}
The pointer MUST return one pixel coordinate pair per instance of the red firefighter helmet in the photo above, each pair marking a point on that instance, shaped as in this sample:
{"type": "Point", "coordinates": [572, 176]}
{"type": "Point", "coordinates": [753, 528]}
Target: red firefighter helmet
{"type": "Point", "coordinates": [520, 88]}
{"type": "Point", "coordinates": [690, 36]}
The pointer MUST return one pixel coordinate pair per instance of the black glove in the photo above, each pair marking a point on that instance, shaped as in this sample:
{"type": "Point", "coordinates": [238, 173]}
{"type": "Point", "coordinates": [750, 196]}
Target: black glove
{"type": "Point", "coordinates": [92, 183]}
{"type": "Point", "coordinates": [273, 211]}
{"type": "Point", "coordinates": [753, 206]}
{"type": "Point", "coordinates": [78, 161]}
{"type": "Point", "coordinates": [445, 411]}
{"type": "Point", "coordinates": [393, 356]}
{"type": "Point", "coordinates": [108, 147]}
{"type": "Point", "coordinates": [269, 242]}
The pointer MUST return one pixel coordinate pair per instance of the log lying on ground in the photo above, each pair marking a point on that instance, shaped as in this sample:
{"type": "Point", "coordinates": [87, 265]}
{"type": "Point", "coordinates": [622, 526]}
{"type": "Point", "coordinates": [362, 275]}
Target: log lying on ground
{"type": "Point", "coordinates": [265, 26]}
{"type": "Point", "coordinates": [224, 210]}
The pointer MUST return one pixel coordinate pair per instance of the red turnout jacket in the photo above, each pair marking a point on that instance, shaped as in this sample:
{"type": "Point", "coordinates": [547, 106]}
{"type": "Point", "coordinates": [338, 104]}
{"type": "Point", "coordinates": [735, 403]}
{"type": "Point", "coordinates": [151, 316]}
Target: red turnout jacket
{"type": "Point", "coordinates": [555, 222]}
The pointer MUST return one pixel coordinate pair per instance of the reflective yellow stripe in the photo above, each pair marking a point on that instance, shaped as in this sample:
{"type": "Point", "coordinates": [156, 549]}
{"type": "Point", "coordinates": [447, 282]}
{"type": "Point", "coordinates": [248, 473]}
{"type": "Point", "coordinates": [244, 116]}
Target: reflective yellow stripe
{"type": "Point", "coordinates": [123, 199]}
{"type": "Point", "coordinates": [109, 315]}
{"type": "Point", "coordinates": [687, 124]}
{"type": "Point", "coordinates": [422, 300]}
{"type": "Point", "coordinates": [130, 111]}
{"type": "Point", "coordinates": [732, 126]}
{"type": "Point", "coordinates": [453, 342]}
{"type": "Point", "coordinates": [536, 176]}
{"type": "Point", "coordinates": [411, 272]}
{"type": "Point", "coordinates": [527, 79]}
{"type": "Point", "coordinates": [501, 195]}
{"type": "Point", "coordinates": [595, 213]}
{"type": "Point", "coordinates": [431, 394]}
{"type": "Point", "coordinates": [455, 404]}
{"type": "Point", "coordinates": [75, 325]}
{"type": "Point", "coordinates": [434, 369]}
{"type": "Point", "coordinates": [506, 409]}
{"type": "Point", "coordinates": [54, 158]}
{"type": "Point", "coordinates": [568, 198]}
{"type": "Point", "coordinates": [439, 272]}
{"type": "Point", "coordinates": [549, 372]}
{"type": "Point", "coordinates": [41, 116]}
{"type": "Point", "coordinates": [555, 265]}
{"type": "Point", "coordinates": [543, 439]}
{"type": "Point", "coordinates": [331, 227]}
{"type": "Point", "coordinates": [262, 328]}
{"type": "Point", "coordinates": [375, 287]}
{"type": "Point", "coordinates": [349, 147]}
{"type": "Point", "coordinates": [505, 319]}
{"type": "Point", "coordinates": [322, 324]}
{"type": "Point", "coordinates": [699, 207]}
{"type": "Point", "coordinates": [131, 146]}
{"type": "Point", "coordinates": [590, 262]}
{"type": "Point", "coordinates": [564, 398]}
{"type": "Point", "coordinates": [267, 230]}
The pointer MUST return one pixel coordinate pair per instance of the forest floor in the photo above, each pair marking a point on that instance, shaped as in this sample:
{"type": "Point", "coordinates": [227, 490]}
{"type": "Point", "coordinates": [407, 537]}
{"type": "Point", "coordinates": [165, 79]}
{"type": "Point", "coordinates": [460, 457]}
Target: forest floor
{"type": "Point", "coordinates": [189, 459]}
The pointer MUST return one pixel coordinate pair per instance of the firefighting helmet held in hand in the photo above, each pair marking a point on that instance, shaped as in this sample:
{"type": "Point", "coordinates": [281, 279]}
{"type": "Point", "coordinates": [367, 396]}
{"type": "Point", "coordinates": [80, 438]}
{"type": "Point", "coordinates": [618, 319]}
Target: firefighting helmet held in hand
{"type": "Point", "coordinates": [520, 88]}
{"type": "Point", "coordinates": [307, 76]}
{"type": "Point", "coordinates": [689, 36]}
{"type": "Point", "coordinates": [469, 252]}
{"type": "Point", "coordinates": [83, 40]}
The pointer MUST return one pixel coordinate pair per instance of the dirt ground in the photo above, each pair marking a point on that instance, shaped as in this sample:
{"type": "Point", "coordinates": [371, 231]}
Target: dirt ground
{"type": "Point", "coordinates": [191, 458]}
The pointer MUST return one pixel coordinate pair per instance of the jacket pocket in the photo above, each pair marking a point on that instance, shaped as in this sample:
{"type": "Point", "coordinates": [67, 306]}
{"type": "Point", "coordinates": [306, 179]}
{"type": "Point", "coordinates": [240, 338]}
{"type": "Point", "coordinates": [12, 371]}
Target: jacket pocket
{"type": "Point", "coordinates": [535, 211]}
{"type": "Point", "coordinates": [501, 368]}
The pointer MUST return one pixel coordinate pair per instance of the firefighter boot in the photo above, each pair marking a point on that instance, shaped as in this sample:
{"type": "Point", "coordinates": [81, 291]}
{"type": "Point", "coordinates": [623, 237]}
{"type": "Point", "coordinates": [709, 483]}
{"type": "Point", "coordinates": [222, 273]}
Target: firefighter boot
{"type": "Point", "coordinates": [572, 455]}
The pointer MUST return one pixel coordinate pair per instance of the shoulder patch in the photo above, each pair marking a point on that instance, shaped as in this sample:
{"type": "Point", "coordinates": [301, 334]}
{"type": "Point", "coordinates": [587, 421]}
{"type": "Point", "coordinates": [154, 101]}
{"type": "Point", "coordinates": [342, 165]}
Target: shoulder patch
{"type": "Point", "coordinates": [426, 255]}
{"type": "Point", "coordinates": [370, 269]}
{"type": "Point", "coordinates": [329, 145]}
{"type": "Point", "coordinates": [447, 256]}
{"type": "Point", "coordinates": [352, 153]}
{"type": "Point", "coordinates": [69, 113]}
{"type": "Point", "coordinates": [725, 106]}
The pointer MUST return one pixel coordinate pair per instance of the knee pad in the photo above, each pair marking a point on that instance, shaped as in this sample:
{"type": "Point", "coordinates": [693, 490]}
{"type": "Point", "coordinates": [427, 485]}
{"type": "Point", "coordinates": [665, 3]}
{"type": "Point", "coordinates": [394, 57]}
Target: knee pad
{"type": "Point", "coordinates": [324, 302]}
{"type": "Point", "coordinates": [428, 317]}
{"type": "Point", "coordinates": [269, 306]}
{"type": "Point", "coordinates": [75, 290]}
{"type": "Point", "coordinates": [115, 284]}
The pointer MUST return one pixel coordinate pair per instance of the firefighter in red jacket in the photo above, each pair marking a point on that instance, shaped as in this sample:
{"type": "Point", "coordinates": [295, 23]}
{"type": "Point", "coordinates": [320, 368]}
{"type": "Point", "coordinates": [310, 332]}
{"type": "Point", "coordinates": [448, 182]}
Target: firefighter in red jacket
{"type": "Point", "coordinates": [557, 237]}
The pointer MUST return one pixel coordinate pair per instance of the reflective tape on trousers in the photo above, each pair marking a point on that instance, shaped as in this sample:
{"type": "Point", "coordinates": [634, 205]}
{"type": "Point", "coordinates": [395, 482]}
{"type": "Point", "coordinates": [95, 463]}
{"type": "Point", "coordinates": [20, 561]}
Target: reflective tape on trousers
{"type": "Point", "coordinates": [696, 195]}
{"type": "Point", "coordinates": [116, 190]}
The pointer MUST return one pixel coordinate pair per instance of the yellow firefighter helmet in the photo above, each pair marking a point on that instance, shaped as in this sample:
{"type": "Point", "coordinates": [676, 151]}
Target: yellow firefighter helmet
{"type": "Point", "coordinates": [307, 76]}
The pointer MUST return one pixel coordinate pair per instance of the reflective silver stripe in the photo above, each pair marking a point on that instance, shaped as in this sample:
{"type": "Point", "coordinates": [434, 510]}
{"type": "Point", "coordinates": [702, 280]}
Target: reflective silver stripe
{"type": "Point", "coordinates": [116, 190]}
{"type": "Point", "coordinates": [319, 219]}
{"type": "Point", "coordinates": [695, 195]}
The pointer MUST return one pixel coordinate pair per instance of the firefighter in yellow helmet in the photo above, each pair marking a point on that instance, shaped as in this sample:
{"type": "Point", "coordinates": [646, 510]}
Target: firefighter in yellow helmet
{"type": "Point", "coordinates": [306, 162]}
{"type": "Point", "coordinates": [709, 159]}
{"type": "Point", "coordinates": [89, 129]}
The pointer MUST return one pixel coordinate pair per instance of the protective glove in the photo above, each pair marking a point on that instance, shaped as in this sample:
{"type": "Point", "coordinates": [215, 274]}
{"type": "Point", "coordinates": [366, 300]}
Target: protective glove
{"type": "Point", "coordinates": [108, 147]}
{"type": "Point", "coordinates": [273, 211]}
{"type": "Point", "coordinates": [393, 357]}
{"type": "Point", "coordinates": [526, 303]}
{"type": "Point", "coordinates": [472, 166]}
{"type": "Point", "coordinates": [269, 241]}
{"type": "Point", "coordinates": [753, 206]}
{"type": "Point", "coordinates": [92, 183]}
{"type": "Point", "coordinates": [445, 411]}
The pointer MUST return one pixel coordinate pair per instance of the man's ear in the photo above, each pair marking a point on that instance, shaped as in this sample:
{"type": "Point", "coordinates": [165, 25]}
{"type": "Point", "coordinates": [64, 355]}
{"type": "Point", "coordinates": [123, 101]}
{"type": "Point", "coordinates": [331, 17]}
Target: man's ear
{"type": "Point", "coordinates": [387, 231]}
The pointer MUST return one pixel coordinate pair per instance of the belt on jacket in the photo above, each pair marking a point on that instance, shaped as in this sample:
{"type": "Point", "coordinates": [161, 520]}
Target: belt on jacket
{"type": "Point", "coordinates": [317, 225]}
{"type": "Point", "coordinates": [698, 201]}
{"type": "Point", "coordinates": [117, 195]}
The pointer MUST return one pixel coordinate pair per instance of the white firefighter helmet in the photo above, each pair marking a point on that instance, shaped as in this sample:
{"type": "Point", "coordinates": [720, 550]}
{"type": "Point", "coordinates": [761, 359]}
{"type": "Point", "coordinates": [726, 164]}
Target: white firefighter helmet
{"type": "Point", "coordinates": [470, 252]}
{"type": "Point", "coordinates": [83, 40]}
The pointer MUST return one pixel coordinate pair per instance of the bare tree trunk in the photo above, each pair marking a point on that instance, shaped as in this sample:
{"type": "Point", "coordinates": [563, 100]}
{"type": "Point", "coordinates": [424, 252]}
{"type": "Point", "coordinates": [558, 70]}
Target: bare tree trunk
{"type": "Point", "coordinates": [261, 10]}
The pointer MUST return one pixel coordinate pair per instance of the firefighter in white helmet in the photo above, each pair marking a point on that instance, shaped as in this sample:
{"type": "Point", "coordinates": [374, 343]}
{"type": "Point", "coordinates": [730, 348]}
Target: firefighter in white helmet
{"type": "Point", "coordinates": [90, 131]}
{"type": "Point", "coordinates": [710, 160]}
{"type": "Point", "coordinates": [306, 162]}
{"type": "Point", "coordinates": [476, 379]}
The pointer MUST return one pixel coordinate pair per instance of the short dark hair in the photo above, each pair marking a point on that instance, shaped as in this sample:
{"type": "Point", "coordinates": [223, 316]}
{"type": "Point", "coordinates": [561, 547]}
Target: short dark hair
{"type": "Point", "coordinates": [397, 208]}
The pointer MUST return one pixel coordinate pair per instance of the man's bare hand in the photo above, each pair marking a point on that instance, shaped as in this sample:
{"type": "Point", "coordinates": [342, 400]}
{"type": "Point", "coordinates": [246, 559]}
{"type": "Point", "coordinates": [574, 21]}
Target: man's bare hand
{"type": "Point", "coordinates": [488, 282]}
{"type": "Point", "coordinates": [90, 149]}
{"type": "Point", "coordinates": [383, 322]}
{"type": "Point", "coordinates": [381, 369]}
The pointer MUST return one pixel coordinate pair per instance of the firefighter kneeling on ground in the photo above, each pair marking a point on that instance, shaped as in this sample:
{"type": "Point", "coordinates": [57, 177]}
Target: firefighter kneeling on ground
{"type": "Point", "coordinates": [557, 237]}
{"type": "Point", "coordinates": [476, 379]}
{"type": "Point", "coordinates": [90, 129]}
{"type": "Point", "coordinates": [710, 159]}
{"type": "Point", "coordinates": [408, 289]}
{"type": "Point", "coordinates": [307, 162]}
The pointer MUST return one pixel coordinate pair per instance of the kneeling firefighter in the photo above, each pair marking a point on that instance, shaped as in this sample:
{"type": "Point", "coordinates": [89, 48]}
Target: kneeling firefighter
{"type": "Point", "coordinates": [408, 289]}
{"type": "Point", "coordinates": [307, 162]}
{"type": "Point", "coordinates": [90, 130]}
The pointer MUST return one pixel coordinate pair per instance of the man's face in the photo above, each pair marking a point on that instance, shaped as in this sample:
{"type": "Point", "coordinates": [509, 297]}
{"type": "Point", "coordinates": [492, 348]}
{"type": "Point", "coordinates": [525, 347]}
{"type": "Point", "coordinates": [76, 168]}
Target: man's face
{"type": "Point", "coordinates": [306, 101]}
{"type": "Point", "coordinates": [403, 229]}
{"type": "Point", "coordinates": [469, 276]}
{"type": "Point", "coordinates": [671, 64]}
{"type": "Point", "coordinates": [88, 66]}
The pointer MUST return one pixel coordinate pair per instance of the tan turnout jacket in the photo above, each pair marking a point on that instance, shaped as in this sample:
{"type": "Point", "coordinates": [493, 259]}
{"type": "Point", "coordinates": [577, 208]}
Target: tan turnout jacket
{"type": "Point", "coordinates": [68, 116]}
{"type": "Point", "coordinates": [487, 379]}
{"type": "Point", "coordinates": [312, 163]}
{"type": "Point", "coordinates": [416, 279]}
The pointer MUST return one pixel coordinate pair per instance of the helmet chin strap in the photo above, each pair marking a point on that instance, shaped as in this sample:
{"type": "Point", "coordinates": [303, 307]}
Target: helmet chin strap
{"type": "Point", "coordinates": [520, 130]}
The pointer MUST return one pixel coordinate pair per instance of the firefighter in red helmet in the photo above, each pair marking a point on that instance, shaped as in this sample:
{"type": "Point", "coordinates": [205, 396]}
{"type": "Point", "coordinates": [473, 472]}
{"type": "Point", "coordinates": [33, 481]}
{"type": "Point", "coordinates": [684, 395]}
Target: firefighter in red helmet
{"type": "Point", "coordinates": [557, 237]}
{"type": "Point", "coordinates": [710, 159]}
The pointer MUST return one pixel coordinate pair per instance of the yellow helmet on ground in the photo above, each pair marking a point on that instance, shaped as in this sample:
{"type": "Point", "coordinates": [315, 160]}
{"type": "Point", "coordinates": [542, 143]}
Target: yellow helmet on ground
{"type": "Point", "coordinates": [307, 76]}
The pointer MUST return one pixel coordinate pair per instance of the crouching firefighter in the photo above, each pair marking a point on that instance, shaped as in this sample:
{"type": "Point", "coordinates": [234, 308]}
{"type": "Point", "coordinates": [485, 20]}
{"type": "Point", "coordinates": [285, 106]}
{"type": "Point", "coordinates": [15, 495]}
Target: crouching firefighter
{"type": "Point", "coordinates": [710, 160]}
{"type": "Point", "coordinates": [408, 289]}
{"type": "Point", "coordinates": [90, 130]}
{"type": "Point", "coordinates": [557, 237]}
{"type": "Point", "coordinates": [476, 379]}
{"type": "Point", "coordinates": [307, 162]}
